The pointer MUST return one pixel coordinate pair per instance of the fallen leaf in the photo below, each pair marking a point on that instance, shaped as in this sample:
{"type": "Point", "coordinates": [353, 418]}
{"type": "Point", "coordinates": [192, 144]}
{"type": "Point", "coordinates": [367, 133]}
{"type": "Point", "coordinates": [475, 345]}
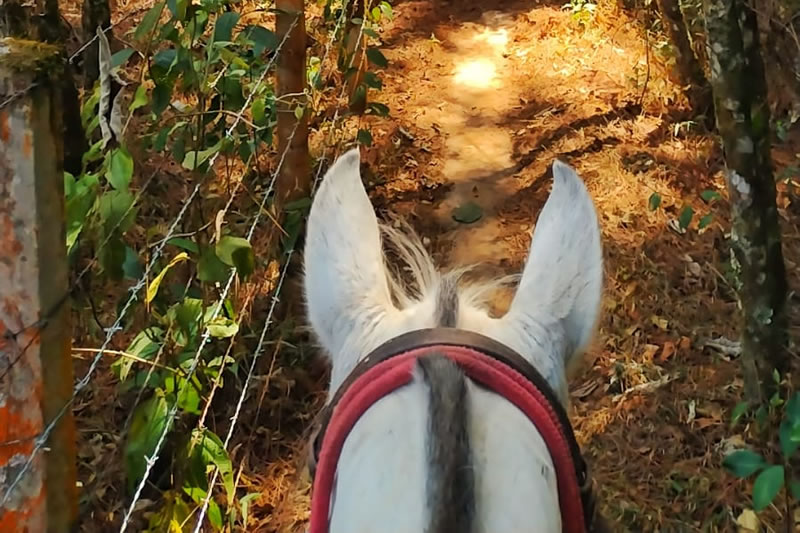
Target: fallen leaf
{"type": "Point", "coordinates": [650, 351]}
{"type": "Point", "coordinates": [692, 412]}
{"type": "Point", "coordinates": [685, 343]}
{"type": "Point", "coordinates": [660, 322]}
{"type": "Point", "coordinates": [667, 351]}
{"type": "Point", "coordinates": [467, 213]}
{"type": "Point", "coordinates": [747, 521]}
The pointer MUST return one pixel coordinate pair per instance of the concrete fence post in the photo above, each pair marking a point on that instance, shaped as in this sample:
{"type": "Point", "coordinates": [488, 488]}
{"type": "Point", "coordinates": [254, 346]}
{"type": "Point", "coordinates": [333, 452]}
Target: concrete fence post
{"type": "Point", "coordinates": [36, 375]}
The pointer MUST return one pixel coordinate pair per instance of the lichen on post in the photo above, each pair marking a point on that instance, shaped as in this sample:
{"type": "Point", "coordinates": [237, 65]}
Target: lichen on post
{"type": "Point", "coordinates": [37, 490]}
{"type": "Point", "coordinates": [742, 112]}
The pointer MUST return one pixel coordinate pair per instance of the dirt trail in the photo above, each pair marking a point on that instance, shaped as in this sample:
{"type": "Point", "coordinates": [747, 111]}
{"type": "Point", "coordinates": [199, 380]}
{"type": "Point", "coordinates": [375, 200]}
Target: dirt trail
{"type": "Point", "coordinates": [477, 148]}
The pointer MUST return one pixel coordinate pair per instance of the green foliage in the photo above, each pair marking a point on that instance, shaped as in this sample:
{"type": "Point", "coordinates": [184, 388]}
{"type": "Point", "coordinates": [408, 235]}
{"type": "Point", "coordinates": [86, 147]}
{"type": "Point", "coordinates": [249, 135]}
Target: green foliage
{"type": "Point", "coordinates": [203, 65]}
{"type": "Point", "coordinates": [687, 213]}
{"type": "Point", "coordinates": [582, 11]}
{"type": "Point", "coordinates": [771, 477]}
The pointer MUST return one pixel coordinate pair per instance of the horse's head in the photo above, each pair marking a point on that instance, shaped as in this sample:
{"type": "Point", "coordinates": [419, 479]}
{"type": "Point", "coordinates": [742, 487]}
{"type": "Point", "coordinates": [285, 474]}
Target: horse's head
{"type": "Point", "coordinates": [355, 304]}
{"type": "Point", "coordinates": [444, 447]}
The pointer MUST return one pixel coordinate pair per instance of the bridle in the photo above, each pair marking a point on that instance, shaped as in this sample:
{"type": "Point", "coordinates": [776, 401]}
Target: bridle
{"type": "Point", "coordinates": [486, 362]}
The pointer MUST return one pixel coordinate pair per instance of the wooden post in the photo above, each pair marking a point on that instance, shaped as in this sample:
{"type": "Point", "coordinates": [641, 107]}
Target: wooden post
{"type": "Point", "coordinates": [36, 376]}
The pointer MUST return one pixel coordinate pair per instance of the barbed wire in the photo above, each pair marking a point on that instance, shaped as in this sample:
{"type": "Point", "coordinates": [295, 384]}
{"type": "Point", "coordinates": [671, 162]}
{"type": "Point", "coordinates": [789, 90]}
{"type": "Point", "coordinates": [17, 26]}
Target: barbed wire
{"type": "Point", "coordinates": [276, 295]}
{"type": "Point", "coordinates": [151, 460]}
{"type": "Point", "coordinates": [41, 441]}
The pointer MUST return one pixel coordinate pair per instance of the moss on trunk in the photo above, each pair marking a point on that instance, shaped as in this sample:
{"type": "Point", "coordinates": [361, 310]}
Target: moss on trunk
{"type": "Point", "coordinates": [742, 113]}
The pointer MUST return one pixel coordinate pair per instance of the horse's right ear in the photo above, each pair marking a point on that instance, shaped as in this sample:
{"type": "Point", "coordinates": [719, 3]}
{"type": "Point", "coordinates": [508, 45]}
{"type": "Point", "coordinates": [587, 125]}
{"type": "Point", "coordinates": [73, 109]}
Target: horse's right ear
{"type": "Point", "coordinates": [346, 287]}
{"type": "Point", "coordinates": [563, 276]}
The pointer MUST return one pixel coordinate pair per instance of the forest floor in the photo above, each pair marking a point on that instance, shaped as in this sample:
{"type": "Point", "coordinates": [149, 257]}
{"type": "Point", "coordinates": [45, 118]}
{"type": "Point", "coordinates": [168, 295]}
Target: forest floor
{"type": "Point", "coordinates": [481, 104]}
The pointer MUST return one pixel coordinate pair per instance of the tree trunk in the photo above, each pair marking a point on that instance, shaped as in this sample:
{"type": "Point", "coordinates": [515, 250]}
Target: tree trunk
{"type": "Point", "coordinates": [294, 178]}
{"type": "Point", "coordinates": [688, 69]}
{"type": "Point", "coordinates": [96, 14]}
{"type": "Point", "coordinates": [742, 112]}
{"type": "Point", "coordinates": [355, 58]}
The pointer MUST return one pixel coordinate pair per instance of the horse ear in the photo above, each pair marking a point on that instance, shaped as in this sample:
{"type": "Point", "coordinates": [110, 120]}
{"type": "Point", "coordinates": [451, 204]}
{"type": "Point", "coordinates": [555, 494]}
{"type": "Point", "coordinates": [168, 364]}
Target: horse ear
{"type": "Point", "coordinates": [563, 275]}
{"type": "Point", "coordinates": [346, 286]}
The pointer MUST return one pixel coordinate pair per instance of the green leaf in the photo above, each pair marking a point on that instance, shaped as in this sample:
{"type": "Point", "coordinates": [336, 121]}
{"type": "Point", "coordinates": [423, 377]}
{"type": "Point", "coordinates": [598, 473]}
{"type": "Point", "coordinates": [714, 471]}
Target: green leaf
{"type": "Point", "coordinates": [196, 158]}
{"type": "Point", "coordinates": [149, 21]}
{"type": "Point", "coordinates": [244, 504]}
{"type": "Point", "coordinates": [376, 14]}
{"type": "Point", "coordinates": [359, 96]}
{"type": "Point", "coordinates": [793, 408]}
{"type": "Point", "coordinates": [132, 266]}
{"type": "Point", "coordinates": [116, 211]}
{"type": "Point", "coordinates": [210, 269]}
{"type": "Point", "coordinates": [93, 154]}
{"type": "Point", "coordinates": [789, 445]}
{"type": "Point", "coordinates": [119, 58]}
{"type": "Point", "coordinates": [685, 217]}
{"type": "Point", "coordinates": [386, 9]}
{"type": "Point", "coordinates": [222, 328]}
{"type": "Point", "coordinates": [148, 422]}
{"type": "Point", "coordinates": [743, 463]}
{"type": "Point", "coordinates": [794, 489]}
{"type": "Point", "coordinates": [301, 204]}
{"type": "Point", "coordinates": [654, 201]}
{"type": "Point", "coordinates": [165, 59]}
{"type": "Point", "coordinates": [223, 29]}
{"type": "Point", "coordinates": [263, 39]}
{"type": "Point", "coordinates": [738, 412]}
{"type": "Point", "coordinates": [382, 110]}
{"type": "Point", "coordinates": [185, 244]}
{"type": "Point", "coordinates": [364, 137]}
{"type": "Point", "coordinates": [120, 169]}
{"type": "Point", "coordinates": [767, 485]}
{"type": "Point", "coordinates": [237, 252]}
{"type": "Point", "coordinates": [144, 345]}
{"type": "Point", "coordinates": [208, 451]}
{"type": "Point", "coordinates": [152, 289]}
{"type": "Point", "coordinates": [162, 93]}
{"type": "Point", "coordinates": [377, 58]}
{"type": "Point", "coordinates": [372, 80]}
{"type": "Point", "coordinates": [709, 196]}
{"type": "Point", "coordinates": [139, 98]}
{"type": "Point", "coordinates": [467, 213]}
{"type": "Point", "coordinates": [178, 8]}
{"type": "Point", "coordinates": [705, 220]}
{"type": "Point", "coordinates": [259, 111]}
{"type": "Point", "coordinates": [188, 393]}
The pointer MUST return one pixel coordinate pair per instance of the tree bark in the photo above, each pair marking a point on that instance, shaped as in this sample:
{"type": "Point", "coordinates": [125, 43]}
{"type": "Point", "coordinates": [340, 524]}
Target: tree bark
{"type": "Point", "coordinates": [96, 14]}
{"type": "Point", "coordinates": [688, 69]}
{"type": "Point", "coordinates": [742, 113]}
{"type": "Point", "coordinates": [355, 58]}
{"type": "Point", "coordinates": [294, 178]}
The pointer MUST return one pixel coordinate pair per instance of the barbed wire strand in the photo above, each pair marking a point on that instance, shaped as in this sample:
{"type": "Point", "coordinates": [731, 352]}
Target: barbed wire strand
{"type": "Point", "coordinates": [41, 441]}
{"type": "Point", "coordinates": [277, 291]}
{"type": "Point", "coordinates": [150, 461]}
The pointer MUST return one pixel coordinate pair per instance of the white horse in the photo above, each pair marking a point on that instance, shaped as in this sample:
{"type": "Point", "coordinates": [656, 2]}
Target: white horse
{"type": "Point", "coordinates": [387, 478]}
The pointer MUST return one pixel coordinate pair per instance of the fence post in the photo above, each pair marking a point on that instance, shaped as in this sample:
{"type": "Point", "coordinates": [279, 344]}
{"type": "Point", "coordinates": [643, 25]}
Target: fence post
{"type": "Point", "coordinates": [36, 376]}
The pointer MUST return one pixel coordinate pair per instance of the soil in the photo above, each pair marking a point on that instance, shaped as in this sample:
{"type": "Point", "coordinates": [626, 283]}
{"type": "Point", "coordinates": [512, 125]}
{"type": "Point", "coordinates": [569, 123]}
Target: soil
{"type": "Point", "coordinates": [482, 102]}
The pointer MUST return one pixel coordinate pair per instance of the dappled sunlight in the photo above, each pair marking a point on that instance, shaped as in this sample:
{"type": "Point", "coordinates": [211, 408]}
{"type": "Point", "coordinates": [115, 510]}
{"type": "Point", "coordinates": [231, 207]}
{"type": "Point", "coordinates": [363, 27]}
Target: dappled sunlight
{"type": "Point", "coordinates": [478, 73]}
{"type": "Point", "coordinates": [497, 39]}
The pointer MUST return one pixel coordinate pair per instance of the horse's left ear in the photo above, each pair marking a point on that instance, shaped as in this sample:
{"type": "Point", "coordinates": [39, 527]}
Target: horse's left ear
{"type": "Point", "coordinates": [562, 281]}
{"type": "Point", "coordinates": [346, 287]}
